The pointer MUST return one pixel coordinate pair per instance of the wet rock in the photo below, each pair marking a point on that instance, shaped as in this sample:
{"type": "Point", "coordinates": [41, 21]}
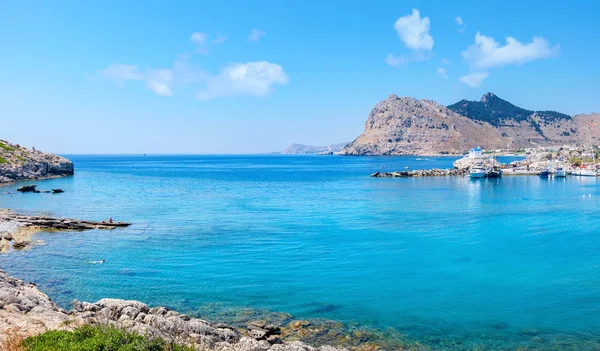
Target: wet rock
{"type": "Point", "coordinates": [57, 191]}
{"type": "Point", "coordinates": [27, 188]}
{"type": "Point", "coordinates": [7, 236]}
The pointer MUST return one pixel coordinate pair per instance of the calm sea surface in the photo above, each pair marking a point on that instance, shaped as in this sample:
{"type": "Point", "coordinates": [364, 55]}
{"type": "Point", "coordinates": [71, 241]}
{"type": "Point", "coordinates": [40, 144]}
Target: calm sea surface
{"type": "Point", "coordinates": [510, 261]}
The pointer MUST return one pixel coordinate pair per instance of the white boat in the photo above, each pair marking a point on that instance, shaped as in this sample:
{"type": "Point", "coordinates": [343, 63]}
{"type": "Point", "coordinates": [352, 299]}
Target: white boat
{"type": "Point", "coordinates": [559, 172]}
{"type": "Point", "coordinates": [583, 172]}
{"type": "Point", "coordinates": [478, 171]}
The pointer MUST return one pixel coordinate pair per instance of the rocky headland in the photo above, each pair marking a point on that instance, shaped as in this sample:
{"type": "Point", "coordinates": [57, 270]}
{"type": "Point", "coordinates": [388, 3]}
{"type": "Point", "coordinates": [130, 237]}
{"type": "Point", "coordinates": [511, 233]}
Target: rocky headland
{"type": "Point", "coordinates": [408, 126]}
{"type": "Point", "coordinates": [20, 163]}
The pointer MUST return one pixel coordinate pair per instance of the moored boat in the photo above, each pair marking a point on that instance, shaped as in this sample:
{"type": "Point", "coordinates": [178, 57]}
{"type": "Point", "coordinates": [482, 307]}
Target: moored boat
{"type": "Point", "coordinates": [584, 172]}
{"type": "Point", "coordinates": [494, 172]}
{"type": "Point", "coordinates": [545, 173]}
{"type": "Point", "coordinates": [478, 171]}
{"type": "Point", "coordinates": [559, 172]}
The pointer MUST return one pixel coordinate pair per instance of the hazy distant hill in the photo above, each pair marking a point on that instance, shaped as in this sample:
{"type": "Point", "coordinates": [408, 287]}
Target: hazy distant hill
{"type": "Point", "coordinates": [407, 126]}
{"type": "Point", "coordinates": [308, 149]}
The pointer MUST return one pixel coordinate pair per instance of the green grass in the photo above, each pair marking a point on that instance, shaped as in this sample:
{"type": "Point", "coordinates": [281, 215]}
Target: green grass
{"type": "Point", "coordinates": [87, 338]}
{"type": "Point", "coordinates": [3, 160]}
{"type": "Point", "coordinates": [5, 147]}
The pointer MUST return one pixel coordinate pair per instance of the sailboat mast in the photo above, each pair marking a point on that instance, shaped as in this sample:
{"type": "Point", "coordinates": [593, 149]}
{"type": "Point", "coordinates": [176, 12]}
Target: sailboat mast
{"type": "Point", "coordinates": [591, 146]}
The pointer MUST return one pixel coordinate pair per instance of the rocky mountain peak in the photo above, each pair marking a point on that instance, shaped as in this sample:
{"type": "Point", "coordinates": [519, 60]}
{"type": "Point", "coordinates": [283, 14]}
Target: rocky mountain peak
{"type": "Point", "coordinates": [487, 97]}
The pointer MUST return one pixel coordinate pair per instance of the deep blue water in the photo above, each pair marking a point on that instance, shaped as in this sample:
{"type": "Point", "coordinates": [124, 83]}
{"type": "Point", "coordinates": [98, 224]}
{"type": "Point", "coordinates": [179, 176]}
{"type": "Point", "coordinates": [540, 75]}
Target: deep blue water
{"type": "Point", "coordinates": [489, 260]}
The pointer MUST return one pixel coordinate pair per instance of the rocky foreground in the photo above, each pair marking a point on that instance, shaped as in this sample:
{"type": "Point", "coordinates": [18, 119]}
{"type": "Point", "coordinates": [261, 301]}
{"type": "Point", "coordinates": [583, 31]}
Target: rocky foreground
{"type": "Point", "coordinates": [23, 306]}
{"type": "Point", "coordinates": [20, 163]}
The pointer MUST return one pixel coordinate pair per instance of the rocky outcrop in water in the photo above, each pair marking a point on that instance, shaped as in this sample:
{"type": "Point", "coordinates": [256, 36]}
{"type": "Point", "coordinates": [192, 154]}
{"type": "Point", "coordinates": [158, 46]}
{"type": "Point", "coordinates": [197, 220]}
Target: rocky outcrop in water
{"type": "Point", "coordinates": [20, 163]}
{"type": "Point", "coordinates": [467, 163]}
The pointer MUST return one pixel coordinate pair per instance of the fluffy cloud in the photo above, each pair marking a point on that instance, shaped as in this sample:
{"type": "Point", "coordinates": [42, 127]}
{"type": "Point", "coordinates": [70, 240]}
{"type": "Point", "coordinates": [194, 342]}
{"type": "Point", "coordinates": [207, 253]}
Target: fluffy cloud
{"type": "Point", "coordinates": [252, 78]}
{"type": "Point", "coordinates": [445, 61]}
{"type": "Point", "coordinates": [486, 52]}
{"type": "Point", "coordinates": [442, 72]}
{"type": "Point", "coordinates": [474, 79]}
{"type": "Point", "coordinates": [159, 81]}
{"type": "Point", "coordinates": [414, 31]}
{"type": "Point", "coordinates": [462, 26]}
{"type": "Point", "coordinates": [255, 35]}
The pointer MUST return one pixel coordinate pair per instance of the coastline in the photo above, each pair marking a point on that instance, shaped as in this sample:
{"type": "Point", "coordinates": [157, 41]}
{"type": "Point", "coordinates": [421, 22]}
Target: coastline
{"type": "Point", "coordinates": [26, 309]}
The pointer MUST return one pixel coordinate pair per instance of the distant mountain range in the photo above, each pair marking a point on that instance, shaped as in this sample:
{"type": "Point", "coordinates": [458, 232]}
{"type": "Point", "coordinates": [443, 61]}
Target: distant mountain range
{"type": "Point", "coordinates": [407, 126]}
{"type": "Point", "coordinates": [308, 149]}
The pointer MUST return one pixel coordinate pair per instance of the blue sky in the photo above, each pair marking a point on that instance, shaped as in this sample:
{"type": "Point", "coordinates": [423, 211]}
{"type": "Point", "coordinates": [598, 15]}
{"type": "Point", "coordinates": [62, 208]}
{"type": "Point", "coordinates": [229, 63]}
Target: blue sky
{"type": "Point", "coordinates": [253, 77]}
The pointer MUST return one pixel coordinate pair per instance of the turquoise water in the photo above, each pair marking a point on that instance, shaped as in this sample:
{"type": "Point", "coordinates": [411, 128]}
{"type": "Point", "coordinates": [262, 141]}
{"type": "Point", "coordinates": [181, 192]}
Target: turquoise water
{"type": "Point", "coordinates": [490, 262]}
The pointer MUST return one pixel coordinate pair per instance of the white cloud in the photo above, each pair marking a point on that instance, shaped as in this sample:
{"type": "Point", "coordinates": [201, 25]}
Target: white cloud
{"type": "Point", "coordinates": [445, 61]}
{"type": "Point", "coordinates": [414, 31]}
{"type": "Point", "coordinates": [486, 52]}
{"type": "Point", "coordinates": [474, 79]}
{"type": "Point", "coordinates": [394, 60]}
{"type": "Point", "coordinates": [199, 38]}
{"type": "Point", "coordinates": [255, 35]}
{"type": "Point", "coordinates": [160, 80]}
{"type": "Point", "coordinates": [252, 78]}
{"type": "Point", "coordinates": [442, 72]}
{"type": "Point", "coordinates": [462, 26]}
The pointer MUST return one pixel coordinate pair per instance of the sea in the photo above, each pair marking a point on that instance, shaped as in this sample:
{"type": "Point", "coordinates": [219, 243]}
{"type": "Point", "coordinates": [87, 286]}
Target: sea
{"type": "Point", "coordinates": [443, 263]}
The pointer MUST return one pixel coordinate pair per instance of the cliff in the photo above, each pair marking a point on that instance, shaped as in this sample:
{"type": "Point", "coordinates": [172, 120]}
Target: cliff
{"type": "Point", "coordinates": [19, 163]}
{"type": "Point", "coordinates": [407, 126]}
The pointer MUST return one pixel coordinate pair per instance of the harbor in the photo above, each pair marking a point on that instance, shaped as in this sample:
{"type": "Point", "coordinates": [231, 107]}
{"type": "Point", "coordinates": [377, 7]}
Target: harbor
{"type": "Point", "coordinates": [543, 162]}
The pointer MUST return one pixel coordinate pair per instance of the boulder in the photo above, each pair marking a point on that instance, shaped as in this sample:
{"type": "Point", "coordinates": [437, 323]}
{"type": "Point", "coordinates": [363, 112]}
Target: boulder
{"type": "Point", "coordinates": [466, 163]}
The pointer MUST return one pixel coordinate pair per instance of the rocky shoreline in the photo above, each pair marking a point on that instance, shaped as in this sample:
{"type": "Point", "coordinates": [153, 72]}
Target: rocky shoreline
{"type": "Point", "coordinates": [24, 307]}
{"type": "Point", "coordinates": [16, 230]}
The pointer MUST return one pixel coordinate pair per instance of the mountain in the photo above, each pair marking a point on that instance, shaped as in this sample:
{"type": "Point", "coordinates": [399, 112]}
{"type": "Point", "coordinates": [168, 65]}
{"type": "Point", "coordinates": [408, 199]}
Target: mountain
{"type": "Point", "coordinates": [407, 126]}
{"type": "Point", "coordinates": [308, 149]}
{"type": "Point", "coordinates": [20, 163]}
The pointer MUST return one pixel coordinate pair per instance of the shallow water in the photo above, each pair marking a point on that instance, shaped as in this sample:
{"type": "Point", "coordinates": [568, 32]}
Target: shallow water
{"type": "Point", "coordinates": [491, 263]}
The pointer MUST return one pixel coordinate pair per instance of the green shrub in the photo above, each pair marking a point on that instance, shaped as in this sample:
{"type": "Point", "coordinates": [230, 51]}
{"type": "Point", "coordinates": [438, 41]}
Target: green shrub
{"type": "Point", "coordinates": [87, 338]}
{"type": "Point", "coordinates": [576, 161]}
{"type": "Point", "coordinates": [5, 147]}
{"type": "Point", "coordinates": [3, 160]}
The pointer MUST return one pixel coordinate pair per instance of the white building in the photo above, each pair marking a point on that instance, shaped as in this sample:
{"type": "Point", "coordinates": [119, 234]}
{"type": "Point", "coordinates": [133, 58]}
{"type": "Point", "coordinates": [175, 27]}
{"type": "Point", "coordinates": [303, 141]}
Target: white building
{"type": "Point", "coordinates": [475, 152]}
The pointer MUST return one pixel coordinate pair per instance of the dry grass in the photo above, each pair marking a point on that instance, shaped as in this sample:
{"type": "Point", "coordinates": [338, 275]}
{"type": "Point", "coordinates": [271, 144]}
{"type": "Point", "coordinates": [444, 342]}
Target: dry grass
{"type": "Point", "coordinates": [13, 339]}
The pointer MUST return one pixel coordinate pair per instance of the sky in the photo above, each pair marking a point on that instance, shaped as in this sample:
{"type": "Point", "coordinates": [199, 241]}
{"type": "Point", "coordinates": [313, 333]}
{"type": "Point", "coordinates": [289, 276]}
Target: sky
{"type": "Point", "coordinates": [237, 77]}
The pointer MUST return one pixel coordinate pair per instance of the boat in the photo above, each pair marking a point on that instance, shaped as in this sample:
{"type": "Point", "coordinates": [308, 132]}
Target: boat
{"type": "Point", "coordinates": [584, 172]}
{"type": "Point", "coordinates": [478, 171]}
{"type": "Point", "coordinates": [559, 172]}
{"type": "Point", "coordinates": [545, 173]}
{"type": "Point", "coordinates": [494, 172]}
